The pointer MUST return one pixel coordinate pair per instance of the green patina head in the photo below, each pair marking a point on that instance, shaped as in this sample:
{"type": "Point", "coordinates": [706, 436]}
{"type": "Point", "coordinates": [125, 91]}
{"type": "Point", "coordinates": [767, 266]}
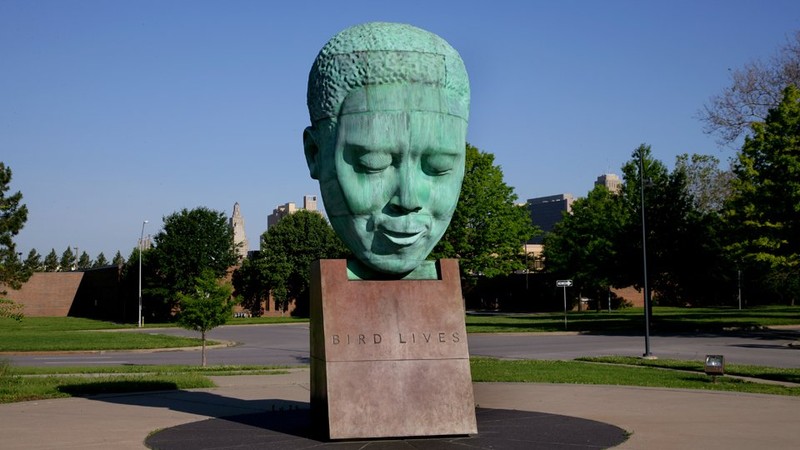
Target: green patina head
{"type": "Point", "coordinates": [389, 105]}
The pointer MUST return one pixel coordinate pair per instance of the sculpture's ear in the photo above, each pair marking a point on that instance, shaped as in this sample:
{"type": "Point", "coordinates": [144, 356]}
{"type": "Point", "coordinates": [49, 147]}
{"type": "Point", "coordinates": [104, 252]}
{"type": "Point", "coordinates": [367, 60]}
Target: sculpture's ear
{"type": "Point", "coordinates": [312, 152]}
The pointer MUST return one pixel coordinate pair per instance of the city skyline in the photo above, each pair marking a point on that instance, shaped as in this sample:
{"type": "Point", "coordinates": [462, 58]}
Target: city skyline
{"type": "Point", "coordinates": [114, 113]}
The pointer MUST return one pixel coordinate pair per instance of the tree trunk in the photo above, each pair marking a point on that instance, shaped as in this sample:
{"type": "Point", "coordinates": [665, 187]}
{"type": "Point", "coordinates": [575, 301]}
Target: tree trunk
{"type": "Point", "coordinates": [203, 335]}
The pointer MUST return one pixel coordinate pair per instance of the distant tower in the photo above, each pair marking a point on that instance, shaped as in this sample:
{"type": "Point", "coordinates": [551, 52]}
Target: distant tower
{"type": "Point", "coordinates": [239, 236]}
{"type": "Point", "coordinates": [310, 202]}
{"type": "Point", "coordinates": [610, 181]}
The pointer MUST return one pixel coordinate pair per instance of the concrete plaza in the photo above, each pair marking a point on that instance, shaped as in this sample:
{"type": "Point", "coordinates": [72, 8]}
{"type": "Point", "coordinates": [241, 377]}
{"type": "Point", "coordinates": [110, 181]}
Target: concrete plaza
{"type": "Point", "coordinates": [655, 418]}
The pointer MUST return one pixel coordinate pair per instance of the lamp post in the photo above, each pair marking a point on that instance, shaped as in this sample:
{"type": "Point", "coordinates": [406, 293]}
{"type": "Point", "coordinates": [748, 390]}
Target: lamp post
{"type": "Point", "coordinates": [141, 246]}
{"type": "Point", "coordinates": [647, 353]}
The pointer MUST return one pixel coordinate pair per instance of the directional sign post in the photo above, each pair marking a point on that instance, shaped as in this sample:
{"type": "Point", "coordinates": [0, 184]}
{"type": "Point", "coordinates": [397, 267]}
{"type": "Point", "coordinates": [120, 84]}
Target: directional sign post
{"type": "Point", "coordinates": [564, 284]}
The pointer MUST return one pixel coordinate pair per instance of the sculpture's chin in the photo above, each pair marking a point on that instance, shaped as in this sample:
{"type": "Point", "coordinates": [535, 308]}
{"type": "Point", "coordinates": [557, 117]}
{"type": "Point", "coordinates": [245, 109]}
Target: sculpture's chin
{"type": "Point", "coordinates": [390, 264]}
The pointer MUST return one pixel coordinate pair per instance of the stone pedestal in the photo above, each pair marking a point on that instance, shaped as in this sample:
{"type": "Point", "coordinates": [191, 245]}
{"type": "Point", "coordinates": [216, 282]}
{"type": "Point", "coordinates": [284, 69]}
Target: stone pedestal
{"type": "Point", "coordinates": [389, 358]}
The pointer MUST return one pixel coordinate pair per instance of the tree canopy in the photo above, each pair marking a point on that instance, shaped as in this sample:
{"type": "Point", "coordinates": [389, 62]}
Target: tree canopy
{"type": "Point", "coordinates": [764, 209]}
{"type": "Point", "coordinates": [282, 266]}
{"type": "Point", "coordinates": [33, 261]}
{"type": "Point", "coordinates": [207, 307]}
{"type": "Point", "coordinates": [600, 243]}
{"type": "Point", "coordinates": [51, 261]}
{"type": "Point", "coordinates": [101, 261]}
{"type": "Point", "coordinates": [584, 245]}
{"type": "Point", "coordinates": [67, 261]}
{"type": "Point", "coordinates": [754, 90]}
{"type": "Point", "coordinates": [13, 215]}
{"type": "Point", "coordinates": [488, 229]}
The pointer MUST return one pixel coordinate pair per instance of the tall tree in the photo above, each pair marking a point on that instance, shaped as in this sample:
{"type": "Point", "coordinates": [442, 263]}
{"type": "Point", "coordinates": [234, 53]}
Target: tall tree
{"type": "Point", "coordinates": [101, 261]}
{"type": "Point", "coordinates": [67, 261]}
{"type": "Point", "coordinates": [708, 185]}
{"type": "Point", "coordinates": [208, 306]}
{"type": "Point", "coordinates": [84, 261]}
{"type": "Point", "coordinates": [754, 90]}
{"type": "Point", "coordinates": [118, 260]}
{"type": "Point", "coordinates": [671, 225]}
{"type": "Point", "coordinates": [600, 243]}
{"type": "Point", "coordinates": [33, 261]}
{"type": "Point", "coordinates": [764, 210]}
{"type": "Point", "coordinates": [252, 283]}
{"type": "Point", "coordinates": [282, 267]}
{"type": "Point", "coordinates": [51, 261]}
{"type": "Point", "coordinates": [190, 242]}
{"type": "Point", "coordinates": [488, 229]}
{"type": "Point", "coordinates": [583, 246]}
{"type": "Point", "coordinates": [13, 215]}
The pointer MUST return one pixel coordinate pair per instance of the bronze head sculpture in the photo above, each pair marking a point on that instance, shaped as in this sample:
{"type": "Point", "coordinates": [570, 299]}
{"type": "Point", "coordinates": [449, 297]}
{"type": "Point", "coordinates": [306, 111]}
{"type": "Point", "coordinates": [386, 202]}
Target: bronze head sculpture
{"type": "Point", "coordinates": [389, 106]}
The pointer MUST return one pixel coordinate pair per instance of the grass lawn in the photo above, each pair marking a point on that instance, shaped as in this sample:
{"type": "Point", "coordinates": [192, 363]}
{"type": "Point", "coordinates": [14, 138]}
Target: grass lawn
{"type": "Point", "coordinates": [580, 372]}
{"type": "Point", "coordinates": [70, 333]}
{"type": "Point", "coordinates": [760, 372]}
{"type": "Point", "coordinates": [35, 383]}
{"type": "Point", "coordinates": [31, 383]}
{"type": "Point", "coordinates": [664, 319]}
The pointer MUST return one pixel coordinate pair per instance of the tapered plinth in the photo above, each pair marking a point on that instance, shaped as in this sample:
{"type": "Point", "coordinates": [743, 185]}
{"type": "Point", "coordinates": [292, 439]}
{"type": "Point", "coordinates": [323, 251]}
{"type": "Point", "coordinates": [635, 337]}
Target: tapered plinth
{"type": "Point", "coordinates": [389, 358]}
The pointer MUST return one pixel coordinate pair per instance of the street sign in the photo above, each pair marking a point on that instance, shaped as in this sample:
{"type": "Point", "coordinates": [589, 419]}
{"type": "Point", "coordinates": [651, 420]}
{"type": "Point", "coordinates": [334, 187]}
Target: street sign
{"type": "Point", "coordinates": [563, 283]}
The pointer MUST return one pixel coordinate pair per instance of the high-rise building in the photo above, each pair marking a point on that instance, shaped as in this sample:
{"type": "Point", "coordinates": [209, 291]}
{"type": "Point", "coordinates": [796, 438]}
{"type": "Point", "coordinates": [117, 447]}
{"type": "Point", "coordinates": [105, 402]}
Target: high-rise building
{"type": "Point", "coordinates": [610, 181]}
{"type": "Point", "coordinates": [239, 236]}
{"type": "Point", "coordinates": [547, 211]}
{"type": "Point", "coordinates": [309, 204]}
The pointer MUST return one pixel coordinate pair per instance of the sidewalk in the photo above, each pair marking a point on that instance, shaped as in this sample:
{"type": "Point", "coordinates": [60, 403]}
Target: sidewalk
{"type": "Point", "coordinates": [657, 418]}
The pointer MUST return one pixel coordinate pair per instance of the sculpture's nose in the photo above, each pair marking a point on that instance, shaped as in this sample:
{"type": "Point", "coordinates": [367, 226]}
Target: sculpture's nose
{"type": "Point", "coordinates": [407, 197]}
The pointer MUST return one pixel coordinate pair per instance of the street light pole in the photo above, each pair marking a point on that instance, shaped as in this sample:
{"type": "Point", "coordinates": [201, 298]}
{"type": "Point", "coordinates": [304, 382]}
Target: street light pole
{"type": "Point", "coordinates": [141, 246]}
{"type": "Point", "coordinates": [647, 353]}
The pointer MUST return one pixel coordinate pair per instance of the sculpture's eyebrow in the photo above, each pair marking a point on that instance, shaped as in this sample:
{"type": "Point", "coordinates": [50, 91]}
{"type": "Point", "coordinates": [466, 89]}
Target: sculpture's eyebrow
{"type": "Point", "coordinates": [449, 151]}
{"type": "Point", "coordinates": [362, 148]}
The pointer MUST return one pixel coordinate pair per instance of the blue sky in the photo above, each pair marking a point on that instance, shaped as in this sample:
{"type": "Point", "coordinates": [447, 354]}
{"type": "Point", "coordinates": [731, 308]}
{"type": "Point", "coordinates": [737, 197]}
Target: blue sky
{"type": "Point", "coordinates": [114, 112]}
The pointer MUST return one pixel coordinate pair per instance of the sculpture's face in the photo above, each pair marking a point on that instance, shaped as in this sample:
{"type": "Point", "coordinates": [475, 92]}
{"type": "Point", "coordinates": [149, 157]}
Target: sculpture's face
{"type": "Point", "coordinates": [391, 172]}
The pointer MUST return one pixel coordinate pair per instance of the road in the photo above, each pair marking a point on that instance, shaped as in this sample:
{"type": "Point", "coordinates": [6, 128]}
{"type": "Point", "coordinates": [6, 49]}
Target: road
{"type": "Point", "coordinates": [288, 345]}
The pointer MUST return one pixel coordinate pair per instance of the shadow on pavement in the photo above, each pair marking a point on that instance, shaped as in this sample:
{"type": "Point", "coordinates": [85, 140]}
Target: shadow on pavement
{"type": "Point", "coordinates": [277, 423]}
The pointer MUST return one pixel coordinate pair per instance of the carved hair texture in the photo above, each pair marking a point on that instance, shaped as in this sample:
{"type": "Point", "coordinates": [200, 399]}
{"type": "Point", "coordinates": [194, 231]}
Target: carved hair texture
{"type": "Point", "coordinates": [378, 53]}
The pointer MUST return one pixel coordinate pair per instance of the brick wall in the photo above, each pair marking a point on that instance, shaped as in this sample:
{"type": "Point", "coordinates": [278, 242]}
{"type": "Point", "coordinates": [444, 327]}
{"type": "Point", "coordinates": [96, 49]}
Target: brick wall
{"type": "Point", "coordinates": [47, 294]}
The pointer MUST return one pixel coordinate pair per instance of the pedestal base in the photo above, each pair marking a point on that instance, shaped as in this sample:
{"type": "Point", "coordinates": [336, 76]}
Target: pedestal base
{"type": "Point", "coordinates": [389, 358]}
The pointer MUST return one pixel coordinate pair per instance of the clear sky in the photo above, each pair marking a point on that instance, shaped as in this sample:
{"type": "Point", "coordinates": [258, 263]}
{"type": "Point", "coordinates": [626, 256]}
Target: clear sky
{"type": "Point", "coordinates": [115, 112]}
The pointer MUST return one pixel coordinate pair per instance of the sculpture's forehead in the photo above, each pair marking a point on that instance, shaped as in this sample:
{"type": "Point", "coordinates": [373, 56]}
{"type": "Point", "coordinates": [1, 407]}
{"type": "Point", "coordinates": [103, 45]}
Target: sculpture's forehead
{"type": "Point", "coordinates": [402, 97]}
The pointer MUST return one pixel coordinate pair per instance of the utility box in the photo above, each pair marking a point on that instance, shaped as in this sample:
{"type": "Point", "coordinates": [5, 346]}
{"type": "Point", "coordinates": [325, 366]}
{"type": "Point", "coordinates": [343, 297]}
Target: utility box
{"type": "Point", "coordinates": [715, 365]}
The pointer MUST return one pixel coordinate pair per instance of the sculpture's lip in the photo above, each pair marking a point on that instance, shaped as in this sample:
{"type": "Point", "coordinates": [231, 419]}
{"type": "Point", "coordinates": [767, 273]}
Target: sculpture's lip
{"type": "Point", "coordinates": [403, 238]}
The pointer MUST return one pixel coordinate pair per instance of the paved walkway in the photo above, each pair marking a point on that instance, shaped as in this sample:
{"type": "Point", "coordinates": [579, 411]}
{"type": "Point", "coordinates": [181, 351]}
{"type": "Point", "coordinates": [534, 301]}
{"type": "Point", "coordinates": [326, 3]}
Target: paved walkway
{"type": "Point", "coordinates": [657, 418]}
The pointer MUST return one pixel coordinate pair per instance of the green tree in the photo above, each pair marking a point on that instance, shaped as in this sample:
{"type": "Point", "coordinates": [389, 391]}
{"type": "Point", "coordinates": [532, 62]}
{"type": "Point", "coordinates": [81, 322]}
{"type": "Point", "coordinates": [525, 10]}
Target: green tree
{"type": "Point", "coordinates": [764, 210]}
{"type": "Point", "coordinates": [583, 246]}
{"type": "Point", "coordinates": [754, 90]}
{"type": "Point", "coordinates": [252, 284]}
{"type": "Point", "coordinates": [208, 306]}
{"type": "Point", "coordinates": [33, 261]}
{"type": "Point", "coordinates": [51, 261]}
{"type": "Point", "coordinates": [67, 261]}
{"type": "Point", "coordinates": [101, 261]}
{"type": "Point", "coordinates": [13, 215]}
{"type": "Point", "coordinates": [84, 261]}
{"type": "Point", "coordinates": [682, 252]}
{"type": "Point", "coordinates": [118, 260]}
{"type": "Point", "coordinates": [488, 229]}
{"type": "Point", "coordinates": [282, 267]}
{"type": "Point", "coordinates": [708, 185]}
{"type": "Point", "coordinates": [190, 242]}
